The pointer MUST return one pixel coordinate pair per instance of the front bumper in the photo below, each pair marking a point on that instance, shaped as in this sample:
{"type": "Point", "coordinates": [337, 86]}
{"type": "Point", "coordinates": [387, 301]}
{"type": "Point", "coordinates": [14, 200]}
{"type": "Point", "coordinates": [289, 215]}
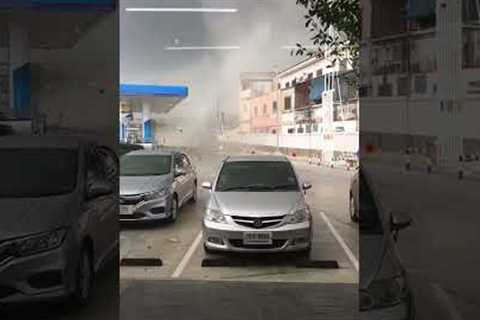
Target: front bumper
{"type": "Point", "coordinates": [228, 237]}
{"type": "Point", "coordinates": [44, 276]}
{"type": "Point", "coordinates": [152, 210]}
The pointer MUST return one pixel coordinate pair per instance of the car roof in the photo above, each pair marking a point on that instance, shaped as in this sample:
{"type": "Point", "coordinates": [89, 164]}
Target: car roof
{"type": "Point", "coordinates": [266, 158]}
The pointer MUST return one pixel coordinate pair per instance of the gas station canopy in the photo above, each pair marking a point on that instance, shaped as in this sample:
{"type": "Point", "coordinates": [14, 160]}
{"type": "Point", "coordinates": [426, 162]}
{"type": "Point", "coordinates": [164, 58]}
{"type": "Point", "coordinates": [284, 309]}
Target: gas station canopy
{"type": "Point", "coordinates": [162, 98]}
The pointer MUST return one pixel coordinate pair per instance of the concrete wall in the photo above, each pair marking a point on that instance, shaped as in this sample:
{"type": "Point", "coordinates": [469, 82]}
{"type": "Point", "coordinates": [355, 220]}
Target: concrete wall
{"type": "Point", "coordinates": [347, 142]}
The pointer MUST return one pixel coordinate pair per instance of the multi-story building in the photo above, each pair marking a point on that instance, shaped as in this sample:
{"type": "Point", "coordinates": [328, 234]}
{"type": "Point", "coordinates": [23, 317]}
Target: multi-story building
{"type": "Point", "coordinates": [420, 80]}
{"type": "Point", "coordinates": [308, 107]}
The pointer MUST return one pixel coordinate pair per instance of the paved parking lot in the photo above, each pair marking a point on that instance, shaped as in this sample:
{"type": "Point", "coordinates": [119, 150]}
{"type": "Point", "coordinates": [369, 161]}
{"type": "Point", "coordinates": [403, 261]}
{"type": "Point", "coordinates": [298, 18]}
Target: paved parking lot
{"type": "Point", "coordinates": [179, 246]}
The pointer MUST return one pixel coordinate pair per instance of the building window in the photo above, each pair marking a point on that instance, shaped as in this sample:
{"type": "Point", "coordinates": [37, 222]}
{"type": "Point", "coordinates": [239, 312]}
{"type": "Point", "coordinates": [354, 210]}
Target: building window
{"type": "Point", "coordinates": [319, 73]}
{"type": "Point", "coordinates": [287, 85]}
{"type": "Point", "coordinates": [402, 86]}
{"type": "Point", "coordinates": [294, 82]}
{"type": "Point", "coordinates": [264, 109]}
{"type": "Point", "coordinates": [385, 90]}
{"type": "Point", "coordinates": [420, 84]}
{"type": "Point", "coordinates": [308, 128]}
{"type": "Point", "coordinates": [288, 103]}
{"type": "Point", "coordinates": [310, 75]}
{"type": "Point", "coordinates": [279, 86]}
{"type": "Point", "coordinates": [363, 91]}
{"type": "Point", "coordinates": [291, 130]}
{"type": "Point", "coordinates": [315, 127]}
{"type": "Point", "coordinates": [274, 107]}
{"type": "Point", "coordinates": [300, 130]}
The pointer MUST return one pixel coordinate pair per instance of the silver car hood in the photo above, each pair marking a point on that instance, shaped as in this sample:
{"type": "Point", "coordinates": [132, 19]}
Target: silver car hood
{"type": "Point", "coordinates": [251, 204]}
{"type": "Point", "coordinates": [131, 185]}
{"type": "Point", "coordinates": [25, 216]}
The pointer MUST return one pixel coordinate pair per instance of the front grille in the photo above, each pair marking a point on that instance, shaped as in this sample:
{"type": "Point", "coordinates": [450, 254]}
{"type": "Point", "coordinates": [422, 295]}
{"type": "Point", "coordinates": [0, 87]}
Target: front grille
{"type": "Point", "coordinates": [258, 222]}
{"type": "Point", "coordinates": [131, 199]}
{"type": "Point", "coordinates": [6, 291]}
{"type": "Point", "coordinates": [275, 244]}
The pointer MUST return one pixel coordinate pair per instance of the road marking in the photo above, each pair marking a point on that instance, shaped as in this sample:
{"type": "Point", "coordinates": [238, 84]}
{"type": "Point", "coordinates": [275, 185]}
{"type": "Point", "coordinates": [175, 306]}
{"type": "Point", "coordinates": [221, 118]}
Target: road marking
{"type": "Point", "coordinates": [453, 312]}
{"type": "Point", "coordinates": [342, 243]}
{"type": "Point", "coordinates": [188, 255]}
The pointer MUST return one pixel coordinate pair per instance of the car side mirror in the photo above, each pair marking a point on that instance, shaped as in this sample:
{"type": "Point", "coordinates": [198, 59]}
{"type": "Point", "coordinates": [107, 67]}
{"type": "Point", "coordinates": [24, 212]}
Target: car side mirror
{"type": "Point", "coordinates": [306, 186]}
{"type": "Point", "coordinates": [207, 185]}
{"type": "Point", "coordinates": [98, 189]}
{"type": "Point", "coordinates": [399, 221]}
{"type": "Point", "coordinates": [180, 172]}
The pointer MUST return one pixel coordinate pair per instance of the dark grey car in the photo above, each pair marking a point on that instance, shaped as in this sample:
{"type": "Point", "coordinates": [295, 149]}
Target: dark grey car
{"type": "Point", "coordinates": [155, 184]}
{"type": "Point", "coordinates": [385, 293]}
{"type": "Point", "coordinates": [58, 221]}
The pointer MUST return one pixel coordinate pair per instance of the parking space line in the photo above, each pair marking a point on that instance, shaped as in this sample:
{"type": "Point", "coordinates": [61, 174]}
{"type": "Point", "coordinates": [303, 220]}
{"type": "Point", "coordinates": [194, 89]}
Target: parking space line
{"type": "Point", "coordinates": [188, 255]}
{"type": "Point", "coordinates": [340, 241]}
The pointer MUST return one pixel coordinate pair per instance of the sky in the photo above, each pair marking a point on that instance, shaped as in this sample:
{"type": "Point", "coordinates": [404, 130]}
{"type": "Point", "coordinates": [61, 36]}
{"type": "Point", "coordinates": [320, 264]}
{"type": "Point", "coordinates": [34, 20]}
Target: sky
{"type": "Point", "coordinates": [260, 28]}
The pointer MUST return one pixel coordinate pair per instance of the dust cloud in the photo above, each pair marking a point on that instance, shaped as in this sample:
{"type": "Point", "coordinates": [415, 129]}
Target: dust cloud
{"type": "Point", "coordinates": [261, 30]}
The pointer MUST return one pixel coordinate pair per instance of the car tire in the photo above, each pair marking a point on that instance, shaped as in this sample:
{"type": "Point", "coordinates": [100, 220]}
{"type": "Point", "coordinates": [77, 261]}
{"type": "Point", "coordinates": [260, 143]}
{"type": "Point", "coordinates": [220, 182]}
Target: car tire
{"type": "Point", "coordinates": [305, 253]}
{"type": "Point", "coordinates": [173, 210]}
{"type": "Point", "coordinates": [194, 194]}
{"type": "Point", "coordinates": [352, 209]}
{"type": "Point", "coordinates": [83, 278]}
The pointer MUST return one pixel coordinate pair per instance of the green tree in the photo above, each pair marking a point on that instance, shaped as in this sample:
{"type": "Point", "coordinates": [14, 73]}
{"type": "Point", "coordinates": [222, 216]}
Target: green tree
{"type": "Point", "coordinates": [333, 24]}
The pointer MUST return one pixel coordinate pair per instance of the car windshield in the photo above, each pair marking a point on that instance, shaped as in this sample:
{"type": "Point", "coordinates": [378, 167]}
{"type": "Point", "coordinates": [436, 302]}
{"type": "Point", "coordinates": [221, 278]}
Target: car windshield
{"type": "Point", "coordinates": [36, 172]}
{"type": "Point", "coordinates": [369, 219]}
{"type": "Point", "coordinates": [257, 176]}
{"type": "Point", "coordinates": [145, 165]}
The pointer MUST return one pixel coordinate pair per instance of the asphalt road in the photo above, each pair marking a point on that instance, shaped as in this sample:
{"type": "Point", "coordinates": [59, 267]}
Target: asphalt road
{"type": "Point", "coordinates": [182, 289]}
{"type": "Point", "coordinates": [440, 249]}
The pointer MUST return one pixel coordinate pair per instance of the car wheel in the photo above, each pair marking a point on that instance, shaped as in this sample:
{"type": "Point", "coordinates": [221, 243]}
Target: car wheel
{"type": "Point", "coordinates": [84, 278]}
{"type": "Point", "coordinates": [173, 210]}
{"type": "Point", "coordinates": [305, 253]}
{"type": "Point", "coordinates": [353, 210]}
{"type": "Point", "coordinates": [194, 193]}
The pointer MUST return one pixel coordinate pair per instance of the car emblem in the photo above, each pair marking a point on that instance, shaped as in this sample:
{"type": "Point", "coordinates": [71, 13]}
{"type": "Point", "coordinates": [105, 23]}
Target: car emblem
{"type": "Point", "coordinates": [258, 223]}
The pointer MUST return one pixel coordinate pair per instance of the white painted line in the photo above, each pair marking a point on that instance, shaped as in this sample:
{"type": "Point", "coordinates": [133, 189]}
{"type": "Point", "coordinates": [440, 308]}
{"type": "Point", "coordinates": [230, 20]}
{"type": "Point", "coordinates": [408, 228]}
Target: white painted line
{"type": "Point", "coordinates": [453, 312]}
{"type": "Point", "coordinates": [203, 48]}
{"type": "Point", "coordinates": [204, 10]}
{"type": "Point", "coordinates": [340, 241]}
{"type": "Point", "coordinates": [188, 255]}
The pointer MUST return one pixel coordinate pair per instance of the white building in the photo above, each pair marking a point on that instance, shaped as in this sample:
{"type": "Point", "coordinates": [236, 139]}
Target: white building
{"type": "Point", "coordinates": [317, 112]}
{"type": "Point", "coordinates": [421, 79]}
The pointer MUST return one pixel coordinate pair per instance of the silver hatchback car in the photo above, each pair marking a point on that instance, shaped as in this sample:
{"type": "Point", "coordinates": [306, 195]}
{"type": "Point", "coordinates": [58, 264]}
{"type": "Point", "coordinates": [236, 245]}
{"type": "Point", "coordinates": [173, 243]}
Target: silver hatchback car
{"type": "Point", "coordinates": [257, 205]}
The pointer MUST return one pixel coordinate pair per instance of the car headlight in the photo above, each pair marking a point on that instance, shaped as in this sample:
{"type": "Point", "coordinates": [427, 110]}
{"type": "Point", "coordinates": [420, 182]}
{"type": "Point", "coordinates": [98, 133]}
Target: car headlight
{"type": "Point", "coordinates": [215, 215]}
{"type": "Point", "coordinates": [154, 194]}
{"type": "Point", "coordinates": [297, 215]}
{"type": "Point", "coordinates": [33, 244]}
{"type": "Point", "coordinates": [383, 293]}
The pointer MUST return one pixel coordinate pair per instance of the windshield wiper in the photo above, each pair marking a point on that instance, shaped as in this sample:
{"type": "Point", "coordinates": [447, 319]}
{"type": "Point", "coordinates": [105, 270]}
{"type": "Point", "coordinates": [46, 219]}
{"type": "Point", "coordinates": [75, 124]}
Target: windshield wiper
{"type": "Point", "coordinates": [284, 187]}
{"type": "Point", "coordinates": [249, 187]}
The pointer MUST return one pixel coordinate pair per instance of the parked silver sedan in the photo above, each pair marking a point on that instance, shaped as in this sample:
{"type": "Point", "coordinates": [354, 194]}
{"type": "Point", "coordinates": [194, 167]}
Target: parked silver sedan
{"type": "Point", "coordinates": [257, 205]}
{"type": "Point", "coordinates": [155, 184]}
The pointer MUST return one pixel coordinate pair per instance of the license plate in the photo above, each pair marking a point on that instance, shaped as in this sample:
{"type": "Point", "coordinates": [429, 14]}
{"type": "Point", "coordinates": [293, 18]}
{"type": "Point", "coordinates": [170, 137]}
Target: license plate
{"type": "Point", "coordinates": [257, 238]}
{"type": "Point", "coordinates": [126, 210]}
